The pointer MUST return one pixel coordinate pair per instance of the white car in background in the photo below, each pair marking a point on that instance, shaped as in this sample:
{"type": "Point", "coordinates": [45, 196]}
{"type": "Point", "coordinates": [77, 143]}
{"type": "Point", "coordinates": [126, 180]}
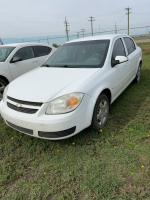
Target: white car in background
{"type": "Point", "coordinates": [74, 88]}
{"type": "Point", "coordinates": [17, 59]}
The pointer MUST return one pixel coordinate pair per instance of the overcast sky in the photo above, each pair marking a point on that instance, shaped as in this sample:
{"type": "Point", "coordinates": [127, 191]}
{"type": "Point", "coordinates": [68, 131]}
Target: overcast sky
{"type": "Point", "coordinates": [29, 18]}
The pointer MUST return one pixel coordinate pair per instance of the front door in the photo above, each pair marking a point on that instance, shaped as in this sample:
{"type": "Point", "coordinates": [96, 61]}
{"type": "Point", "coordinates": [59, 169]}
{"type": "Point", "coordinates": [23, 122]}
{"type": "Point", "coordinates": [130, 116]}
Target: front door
{"type": "Point", "coordinates": [27, 63]}
{"type": "Point", "coordinates": [120, 71]}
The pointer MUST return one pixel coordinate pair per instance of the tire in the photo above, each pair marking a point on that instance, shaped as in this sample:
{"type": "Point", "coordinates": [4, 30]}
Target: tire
{"type": "Point", "coordinates": [100, 113]}
{"type": "Point", "coordinates": [3, 84]}
{"type": "Point", "coordinates": [138, 75]}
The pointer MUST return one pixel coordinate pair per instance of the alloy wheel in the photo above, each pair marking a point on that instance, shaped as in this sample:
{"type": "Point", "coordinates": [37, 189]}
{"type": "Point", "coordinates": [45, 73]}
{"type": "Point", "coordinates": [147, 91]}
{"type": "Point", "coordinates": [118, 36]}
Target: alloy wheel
{"type": "Point", "coordinates": [139, 74]}
{"type": "Point", "coordinates": [102, 112]}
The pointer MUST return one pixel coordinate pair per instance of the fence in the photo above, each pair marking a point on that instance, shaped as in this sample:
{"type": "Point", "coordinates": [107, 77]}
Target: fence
{"type": "Point", "coordinates": [135, 32]}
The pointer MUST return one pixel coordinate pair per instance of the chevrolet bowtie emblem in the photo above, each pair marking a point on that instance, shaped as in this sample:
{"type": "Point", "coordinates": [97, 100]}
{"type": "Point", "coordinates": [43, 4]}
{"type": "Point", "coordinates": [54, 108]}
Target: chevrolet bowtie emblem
{"type": "Point", "coordinates": [18, 105]}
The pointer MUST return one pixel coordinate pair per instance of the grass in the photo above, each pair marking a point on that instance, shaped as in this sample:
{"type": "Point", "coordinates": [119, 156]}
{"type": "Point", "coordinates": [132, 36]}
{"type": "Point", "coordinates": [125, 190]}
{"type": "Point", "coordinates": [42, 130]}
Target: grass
{"type": "Point", "coordinates": [141, 37]}
{"type": "Point", "coordinates": [112, 164]}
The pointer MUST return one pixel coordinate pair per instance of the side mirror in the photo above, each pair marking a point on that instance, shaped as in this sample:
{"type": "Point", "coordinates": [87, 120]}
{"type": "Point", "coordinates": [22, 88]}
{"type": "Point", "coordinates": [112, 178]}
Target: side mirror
{"type": "Point", "coordinates": [118, 60]}
{"type": "Point", "coordinates": [15, 59]}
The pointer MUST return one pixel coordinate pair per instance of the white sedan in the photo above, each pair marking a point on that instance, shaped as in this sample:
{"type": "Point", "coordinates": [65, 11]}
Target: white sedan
{"type": "Point", "coordinates": [17, 59]}
{"type": "Point", "coordinates": [74, 89]}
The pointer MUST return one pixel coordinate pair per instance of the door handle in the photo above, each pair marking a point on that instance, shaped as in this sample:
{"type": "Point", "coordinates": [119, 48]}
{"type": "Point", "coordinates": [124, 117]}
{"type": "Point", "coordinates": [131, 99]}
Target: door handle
{"type": "Point", "coordinates": [137, 56]}
{"type": "Point", "coordinates": [128, 63]}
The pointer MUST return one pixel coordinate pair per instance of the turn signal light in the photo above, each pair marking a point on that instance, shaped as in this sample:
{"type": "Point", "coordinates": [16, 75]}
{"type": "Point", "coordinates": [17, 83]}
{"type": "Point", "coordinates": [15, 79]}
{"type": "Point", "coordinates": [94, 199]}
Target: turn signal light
{"type": "Point", "coordinates": [72, 101]}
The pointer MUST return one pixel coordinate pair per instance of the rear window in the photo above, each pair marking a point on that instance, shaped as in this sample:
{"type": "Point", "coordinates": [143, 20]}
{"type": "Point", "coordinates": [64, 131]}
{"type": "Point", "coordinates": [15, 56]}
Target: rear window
{"type": "Point", "coordinates": [42, 50]}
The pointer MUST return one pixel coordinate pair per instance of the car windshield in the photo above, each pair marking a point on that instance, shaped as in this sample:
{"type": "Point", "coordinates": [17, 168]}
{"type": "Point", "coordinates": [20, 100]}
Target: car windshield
{"type": "Point", "coordinates": [5, 52]}
{"type": "Point", "coordinates": [87, 54]}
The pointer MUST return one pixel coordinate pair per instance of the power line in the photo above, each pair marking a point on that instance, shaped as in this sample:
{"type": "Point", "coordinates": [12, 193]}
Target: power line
{"type": "Point", "coordinates": [140, 5]}
{"type": "Point", "coordinates": [115, 28]}
{"type": "Point", "coordinates": [94, 33]}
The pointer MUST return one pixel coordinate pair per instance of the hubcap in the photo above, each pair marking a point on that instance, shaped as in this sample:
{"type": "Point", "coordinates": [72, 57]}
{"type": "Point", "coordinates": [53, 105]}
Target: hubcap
{"type": "Point", "coordinates": [102, 112]}
{"type": "Point", "coordinates": [139, 74]}
{"type": "Point", "coordinates": [2, 87]}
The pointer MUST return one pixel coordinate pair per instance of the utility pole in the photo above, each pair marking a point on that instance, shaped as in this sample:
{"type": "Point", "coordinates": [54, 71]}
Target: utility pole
{"type": "Point", "coordinates": [78, 34]}
{"type": "Point", "coordinates": [115, 28]}
{"type": "Point", "coordinates": [91, 20]}
{"type": "Point", "coordinates": [82, 30]}
{"type": "Point", "coordinates": [128, 9]}
{"type": "Point", "coordinates": [47, 40]}
{"type": "Point", "coordinates": [66, 25]}
{"type": "Point", "coordinates": [147, 31]}
{"type": "Point", "coordinates": [1, 41]}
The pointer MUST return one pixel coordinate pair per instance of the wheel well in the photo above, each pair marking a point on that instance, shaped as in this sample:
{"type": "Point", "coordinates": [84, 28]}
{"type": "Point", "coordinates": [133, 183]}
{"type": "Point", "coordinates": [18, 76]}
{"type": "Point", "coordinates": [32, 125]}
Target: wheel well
{"type": "Point", "coordinates": [107, 92]}
{"type": "Point", "coordinates": [141, 62]}
{"type": "Point", "coordinates": [4, 78]}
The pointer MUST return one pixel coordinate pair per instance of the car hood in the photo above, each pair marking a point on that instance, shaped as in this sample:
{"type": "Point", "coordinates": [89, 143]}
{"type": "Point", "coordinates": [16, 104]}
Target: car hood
{"type": "Point", "coordinates": [44, 84]}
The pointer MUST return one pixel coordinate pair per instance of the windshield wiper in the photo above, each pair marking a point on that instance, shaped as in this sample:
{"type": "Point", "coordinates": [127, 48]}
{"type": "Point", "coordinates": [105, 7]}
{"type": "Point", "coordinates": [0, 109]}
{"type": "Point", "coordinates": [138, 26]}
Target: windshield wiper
{"type": "Point", "coordinates": [45, 65]}
{"type": "Point", "coordinates": [65, 66]}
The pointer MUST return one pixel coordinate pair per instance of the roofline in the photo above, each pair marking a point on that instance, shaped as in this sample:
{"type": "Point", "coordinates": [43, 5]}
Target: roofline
{"type": "Point", "coordinates": [25, 43]}
{"type": "Point", "coordinates": [97, 37]}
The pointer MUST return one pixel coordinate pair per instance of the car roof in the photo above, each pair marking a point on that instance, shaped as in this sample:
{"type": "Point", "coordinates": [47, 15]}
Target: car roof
{"type": "Point", "coordinates": [25, 43]}
{"type": "Point", "coordinates": [98, 37]}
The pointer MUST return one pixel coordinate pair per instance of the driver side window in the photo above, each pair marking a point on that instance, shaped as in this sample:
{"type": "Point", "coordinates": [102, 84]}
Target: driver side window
{"type": "Point", "coordinates": [25, 53]}
{"type": "Point", "coordinates": [118, 49]}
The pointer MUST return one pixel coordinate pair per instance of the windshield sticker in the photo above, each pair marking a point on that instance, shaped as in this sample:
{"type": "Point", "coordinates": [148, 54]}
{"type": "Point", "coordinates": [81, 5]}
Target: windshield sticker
{"type": "Point", "coordinates": [83, 51]}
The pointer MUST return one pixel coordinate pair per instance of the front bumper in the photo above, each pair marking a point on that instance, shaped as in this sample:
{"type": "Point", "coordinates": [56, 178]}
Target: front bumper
{"type": "Point", "coordinates": [53, 127]}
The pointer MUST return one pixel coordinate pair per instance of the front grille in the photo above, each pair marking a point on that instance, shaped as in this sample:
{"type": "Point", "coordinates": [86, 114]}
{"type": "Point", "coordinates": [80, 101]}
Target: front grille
{"type": "Point", "coordinates": [58, 133]}
{"type": "Point", "coordinates": [25, 102]}
{"type": "Point", "coordinates": [22, 109]}
{"type": "Point", "coordinates": [21, 129]}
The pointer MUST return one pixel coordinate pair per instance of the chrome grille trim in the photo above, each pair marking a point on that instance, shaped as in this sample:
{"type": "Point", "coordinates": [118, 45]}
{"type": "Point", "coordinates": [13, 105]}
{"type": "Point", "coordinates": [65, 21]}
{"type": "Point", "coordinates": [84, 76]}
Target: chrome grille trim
{"type": "Point", "coordinates": [22, 109]}
{"type": "Point", "coordinates": [25, 102]}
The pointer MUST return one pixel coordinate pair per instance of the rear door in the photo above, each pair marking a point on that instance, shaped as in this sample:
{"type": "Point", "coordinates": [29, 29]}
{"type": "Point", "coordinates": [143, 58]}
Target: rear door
{"type": "Point", "coordinates": [42, 53]}
{"type": "Point", "coordinates": [133, 56]}
{"type": "Point", "coordinates": [27, 63]}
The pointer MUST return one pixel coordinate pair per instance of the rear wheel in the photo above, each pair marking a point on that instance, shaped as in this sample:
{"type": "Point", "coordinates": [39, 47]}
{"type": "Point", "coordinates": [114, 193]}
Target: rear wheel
{"type": "Point", "coordinates": [3, 84]}
{"type": "Point", "coordinates": [100, 113]}
{"type": "Point", "coordinates": [138, 75]}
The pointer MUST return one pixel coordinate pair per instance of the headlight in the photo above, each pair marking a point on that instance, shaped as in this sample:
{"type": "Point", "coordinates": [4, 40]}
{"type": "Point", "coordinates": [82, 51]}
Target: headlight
{"type": "Point", "coordinates": [5, 92]}
{"type": "Point", "coordinates": [64, 104]}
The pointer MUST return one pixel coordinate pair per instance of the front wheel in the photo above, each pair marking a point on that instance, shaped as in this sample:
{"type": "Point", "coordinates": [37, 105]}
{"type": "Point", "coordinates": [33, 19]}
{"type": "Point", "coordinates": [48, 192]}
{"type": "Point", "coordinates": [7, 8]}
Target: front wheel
{"type": "Point", "coordinates": [3, 84]}
{"type": "Point", "coordinates": [100, 113]}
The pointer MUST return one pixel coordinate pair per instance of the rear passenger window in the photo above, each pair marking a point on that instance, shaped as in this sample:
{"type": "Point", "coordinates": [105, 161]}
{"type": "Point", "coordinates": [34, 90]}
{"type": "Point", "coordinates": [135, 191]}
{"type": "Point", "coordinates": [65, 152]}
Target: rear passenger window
{"type": "Point", "coordinates": [42, 50]}
{"type": "Point", "coordinates": [119, 49]}
{"type": "Point", "coordinates": [129, 44]}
